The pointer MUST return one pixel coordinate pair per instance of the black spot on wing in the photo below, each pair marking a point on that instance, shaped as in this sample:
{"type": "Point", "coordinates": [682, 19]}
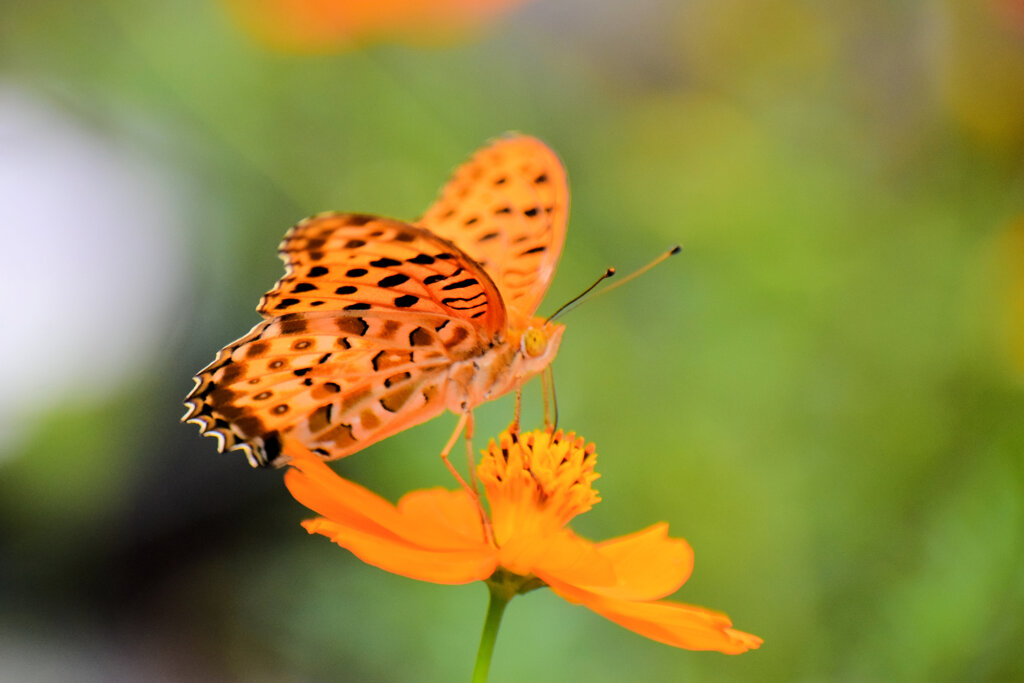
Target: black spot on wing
{"type": "Point", "coordinates": [353, 325]}
{"type": "Point", "coordinates": [468, 282]}
{"type": "Point", "coordinates": [393, 280]}
{"type": "Point", "coordinates": [453, 300]}
{"type": "Point", "coordinates": [257, 349]}
{"type": "Point", "coordinates": [420, 337]}
{"type": "Point", "coordinates": [293, 326]}
{"type": "Point", "coordinates": [394, 379]}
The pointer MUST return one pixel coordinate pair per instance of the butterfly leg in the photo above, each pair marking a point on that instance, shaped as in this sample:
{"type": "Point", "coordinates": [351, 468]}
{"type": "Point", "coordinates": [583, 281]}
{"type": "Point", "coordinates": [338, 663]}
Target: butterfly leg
{"type": "Point", "coordinates": [463, 419]}
{"type": "Point", "coordinates": [466, 424]}
{"type": "Point", "coordinates": [470, 460]}
{"type": "Point", "coordinates": [547, 382]}
{"type": "Point", "coordinates": [517, 411]}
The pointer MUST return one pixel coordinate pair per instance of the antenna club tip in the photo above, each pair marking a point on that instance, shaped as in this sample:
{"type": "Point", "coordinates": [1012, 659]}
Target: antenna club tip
{"type": "Point", "coordinates": [610, 271]}
{"type": "Point", "coordinates": [675, 250]}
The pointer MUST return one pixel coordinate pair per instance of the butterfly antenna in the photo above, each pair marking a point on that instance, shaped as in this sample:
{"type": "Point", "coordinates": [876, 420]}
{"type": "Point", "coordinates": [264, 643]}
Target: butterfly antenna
{"type": "Point", "coordinates": [611, 271]}
{"type": "Point", "coordinates": [561, 309]}
{"type": "Point", "coordinates": [637, 273]}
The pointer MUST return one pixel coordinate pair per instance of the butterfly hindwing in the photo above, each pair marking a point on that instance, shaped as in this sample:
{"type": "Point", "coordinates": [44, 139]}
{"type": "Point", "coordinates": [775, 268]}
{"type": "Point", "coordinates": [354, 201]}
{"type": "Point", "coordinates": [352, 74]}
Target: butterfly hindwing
{"type": "Point", "coordinates": [335, 382]}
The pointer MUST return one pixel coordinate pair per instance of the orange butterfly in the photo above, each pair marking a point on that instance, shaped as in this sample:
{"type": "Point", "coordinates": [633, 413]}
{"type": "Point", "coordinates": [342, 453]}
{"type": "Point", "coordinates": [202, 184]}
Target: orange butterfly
{"type": "Point", "coordinates": [379, 325]}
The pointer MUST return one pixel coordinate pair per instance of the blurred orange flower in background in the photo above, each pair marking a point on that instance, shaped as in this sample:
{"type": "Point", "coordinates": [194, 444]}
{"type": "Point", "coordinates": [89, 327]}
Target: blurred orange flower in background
{"type": "Point", "coordinates": [331, 25]}
{"type": "Point", "coordinates": [1012, 12]}
{"type": "Point", "coordinates": [535, 483]}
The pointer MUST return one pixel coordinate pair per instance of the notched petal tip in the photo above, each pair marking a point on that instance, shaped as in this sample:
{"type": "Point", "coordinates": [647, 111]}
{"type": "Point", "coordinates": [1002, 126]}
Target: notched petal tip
{"type": "Point", "coordinates": [672, 623]}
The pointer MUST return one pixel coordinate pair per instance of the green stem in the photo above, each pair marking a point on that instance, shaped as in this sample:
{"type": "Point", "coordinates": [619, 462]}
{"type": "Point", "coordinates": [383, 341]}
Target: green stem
{"type": "Point", "coordinates": [495, 609]}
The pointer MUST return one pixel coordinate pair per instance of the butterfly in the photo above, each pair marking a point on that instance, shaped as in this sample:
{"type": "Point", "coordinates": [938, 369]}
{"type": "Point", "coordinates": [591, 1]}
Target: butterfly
{"type": "Point", "coordinates": [379, 325]}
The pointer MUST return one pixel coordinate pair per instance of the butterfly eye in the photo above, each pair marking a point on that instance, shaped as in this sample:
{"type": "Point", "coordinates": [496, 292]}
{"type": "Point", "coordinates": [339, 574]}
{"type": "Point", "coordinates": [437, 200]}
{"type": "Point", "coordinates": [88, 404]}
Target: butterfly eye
{"type": "Point", "coordinates": [534, 342]}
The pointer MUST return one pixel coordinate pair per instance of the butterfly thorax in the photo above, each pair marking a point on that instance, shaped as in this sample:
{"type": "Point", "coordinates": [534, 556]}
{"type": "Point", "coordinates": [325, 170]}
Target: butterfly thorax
{"type": "Point", "coordinates": [506, 365]}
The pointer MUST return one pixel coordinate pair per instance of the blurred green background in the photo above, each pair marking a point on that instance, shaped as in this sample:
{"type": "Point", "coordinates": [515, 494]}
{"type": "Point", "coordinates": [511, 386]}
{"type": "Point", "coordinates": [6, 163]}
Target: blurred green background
{"type": "Point", "coordinates": [823, 393]}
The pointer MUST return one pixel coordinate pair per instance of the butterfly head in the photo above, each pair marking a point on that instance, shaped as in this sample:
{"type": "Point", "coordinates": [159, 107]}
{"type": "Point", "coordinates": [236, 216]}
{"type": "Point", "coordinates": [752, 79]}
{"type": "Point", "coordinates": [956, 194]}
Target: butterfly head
{"type": "Point", "coordinates": [539, 344]}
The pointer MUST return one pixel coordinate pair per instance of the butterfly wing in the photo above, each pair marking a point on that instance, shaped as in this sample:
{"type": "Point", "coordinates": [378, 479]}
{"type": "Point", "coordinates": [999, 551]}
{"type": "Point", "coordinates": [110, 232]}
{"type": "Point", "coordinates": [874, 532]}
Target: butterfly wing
{"type": "Point", "coordinates": [367, 321]}
{"type": "Point", "coordinates": [507, 207]}
{"type": "Point", "coordinates": [354, 262]}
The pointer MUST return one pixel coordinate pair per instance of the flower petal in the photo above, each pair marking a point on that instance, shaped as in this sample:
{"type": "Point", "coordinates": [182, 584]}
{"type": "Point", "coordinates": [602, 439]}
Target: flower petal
{"type": "Point", "coordinates": [313, 26]}
{"type": "Point", "coordinates": [399, 557]}
{"type": "Point", "coordinates": [319, 488]}
{"type": "Point", "coordinates": [562, 555]}
{"type": "Point", "coordinates": [444, 519]}
{"type": "Point", "coordinates": [676, 624]}
{"type": "Point", "coordinates": [648, 564]}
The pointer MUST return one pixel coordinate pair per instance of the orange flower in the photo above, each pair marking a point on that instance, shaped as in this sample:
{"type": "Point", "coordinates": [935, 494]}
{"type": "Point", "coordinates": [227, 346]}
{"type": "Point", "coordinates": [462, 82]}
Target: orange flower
{"type": "Point", "coordinates": [534, 484]}
{"type": "Point", "coordinates": [326, 25]}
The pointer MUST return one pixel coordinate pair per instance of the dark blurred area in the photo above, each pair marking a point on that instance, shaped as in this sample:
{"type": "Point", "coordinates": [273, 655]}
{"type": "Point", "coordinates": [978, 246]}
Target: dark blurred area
{"type": "Point", "coordinates": [823, 393]}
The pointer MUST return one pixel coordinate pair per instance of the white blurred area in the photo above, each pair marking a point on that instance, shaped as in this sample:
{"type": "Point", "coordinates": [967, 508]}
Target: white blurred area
{"type": "Point", "coordinates": [93, 260]}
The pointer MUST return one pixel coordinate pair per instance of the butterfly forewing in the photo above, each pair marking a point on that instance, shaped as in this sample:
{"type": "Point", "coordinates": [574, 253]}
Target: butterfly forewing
{"type": "Point", "coordinates": [353, 262]}
{"type": "Point", "coordinates": [507, 208]}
